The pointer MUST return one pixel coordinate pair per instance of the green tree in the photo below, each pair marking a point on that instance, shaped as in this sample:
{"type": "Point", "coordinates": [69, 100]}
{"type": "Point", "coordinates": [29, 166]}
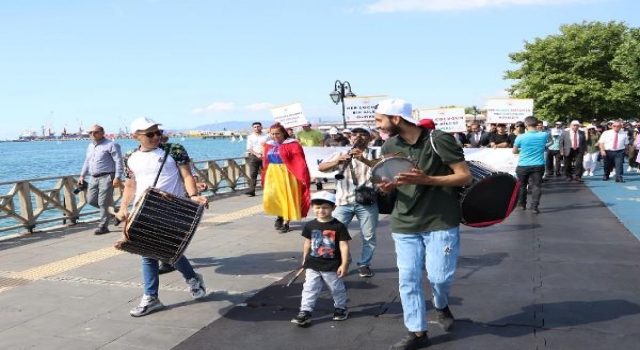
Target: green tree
{"type": "Point", "coordinates": [578, 74]}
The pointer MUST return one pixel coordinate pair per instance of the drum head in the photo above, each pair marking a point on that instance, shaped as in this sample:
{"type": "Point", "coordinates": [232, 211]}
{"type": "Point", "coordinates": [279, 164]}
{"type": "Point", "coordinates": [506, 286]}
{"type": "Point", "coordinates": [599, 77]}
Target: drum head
{"type": "Point", "coordinates": [489, 201]}
{"type": "Point", "coordinates": [387, 169]}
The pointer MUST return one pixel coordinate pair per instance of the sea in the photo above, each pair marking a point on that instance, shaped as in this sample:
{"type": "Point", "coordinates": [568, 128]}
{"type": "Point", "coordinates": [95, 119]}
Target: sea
{"type": "Point", "coordinates": [41, 159]}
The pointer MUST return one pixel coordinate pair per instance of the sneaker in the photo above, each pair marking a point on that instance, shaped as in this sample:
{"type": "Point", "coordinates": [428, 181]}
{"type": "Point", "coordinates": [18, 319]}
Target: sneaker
{"type": "Point", "coordinates": [445, 318]}
{"type": "Point", "coordinates": [250, 193]}
{"type": "Point", "coordinates": [586, 173]}
{"type": "Point", "coordinates": [411, 341]}
{"type": "Point", "coordinates": [147, 305]}
{"type": "Point", "coordinates": [340, 314]}
{"type": "Point", "coordinates": [284, 228]}
{"type": "Point", "coordinates": [365, 271]}
{"type": "Point", "coordinates": [629, 169]}
{"type": "Point", "coordinates": [303, 318]}
{"type": "Point", "coordinates": [165, 268]}
{"type": "Point", "coordinates": [319, 186]}
{"type": "Point", "coordinates": [278, 224]}
{"type": "Point", "coordinates": [101, 230]}
{"type": "Point", "coordinates": [535, 210]}
{"type": "Point", "coordinates": [198, 289]}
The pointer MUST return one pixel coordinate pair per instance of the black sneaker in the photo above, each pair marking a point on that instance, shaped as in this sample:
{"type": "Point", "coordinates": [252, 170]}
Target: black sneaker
{"type": "Point", "coordinates": [284, 228]}
{"type": "Point", "coordinates": [535, 210]}
{"type": "Point", "coordinates": [101, 230]}
{"type": "Point", "coordinates": [250, 193]}
{"type": "Point", "coordinates": [303, 318]}
{"type": "Point", "coordinates": [340, 314]}
{"type": "Point", "coordinates": [411, 341]}
{"type": "Point", "coordinates": [319, 186]}
{"type": "Point", "coordinates": [279, 222]}
{"type": "Point", "coordinates": [365, 271]}
{"type": "Point", "coordinates": [445, 318]}
{"type": "Point", "coordinates": [165, 268]}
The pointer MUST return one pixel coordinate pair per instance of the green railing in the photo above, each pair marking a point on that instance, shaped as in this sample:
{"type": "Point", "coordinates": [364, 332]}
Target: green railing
{"type": "Point", "coordinates": [45, 202]}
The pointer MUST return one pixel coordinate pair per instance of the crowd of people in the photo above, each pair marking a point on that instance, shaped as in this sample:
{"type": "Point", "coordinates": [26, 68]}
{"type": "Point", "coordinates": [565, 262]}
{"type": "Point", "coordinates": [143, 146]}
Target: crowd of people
{"type": "Point", "coordinates": [426, 217]}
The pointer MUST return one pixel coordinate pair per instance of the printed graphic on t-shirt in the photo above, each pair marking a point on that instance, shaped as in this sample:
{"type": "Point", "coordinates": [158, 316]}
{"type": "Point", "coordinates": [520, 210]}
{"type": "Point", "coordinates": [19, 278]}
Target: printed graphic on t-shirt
{"type": "Point", "coordinates": [323, 244]}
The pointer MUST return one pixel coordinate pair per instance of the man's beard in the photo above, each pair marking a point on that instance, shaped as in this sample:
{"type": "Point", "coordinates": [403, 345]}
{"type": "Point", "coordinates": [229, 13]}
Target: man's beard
{"type": "Point", "coordinates": [391, 130]}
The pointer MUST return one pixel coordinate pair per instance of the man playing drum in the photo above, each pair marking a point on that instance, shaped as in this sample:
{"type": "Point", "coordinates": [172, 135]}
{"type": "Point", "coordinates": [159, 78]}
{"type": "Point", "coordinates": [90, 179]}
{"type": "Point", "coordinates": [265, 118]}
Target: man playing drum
{"type": "Point", "coordinates": [143, 166]}
{"type": "Point", "coordinates": [425, 221]}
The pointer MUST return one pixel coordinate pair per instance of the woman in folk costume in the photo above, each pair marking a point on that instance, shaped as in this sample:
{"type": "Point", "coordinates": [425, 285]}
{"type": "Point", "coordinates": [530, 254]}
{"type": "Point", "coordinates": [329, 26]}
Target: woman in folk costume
{"type": "Point", "coordinates": [285, 178]}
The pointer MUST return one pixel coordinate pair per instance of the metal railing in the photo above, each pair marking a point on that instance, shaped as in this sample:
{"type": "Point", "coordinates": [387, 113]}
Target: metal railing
{"type": "Point", "coordinates": [51, 201]}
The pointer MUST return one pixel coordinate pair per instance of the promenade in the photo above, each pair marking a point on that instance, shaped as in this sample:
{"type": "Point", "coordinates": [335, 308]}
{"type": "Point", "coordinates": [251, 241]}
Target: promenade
{"type": "Point", "coordinates": [568, 278]}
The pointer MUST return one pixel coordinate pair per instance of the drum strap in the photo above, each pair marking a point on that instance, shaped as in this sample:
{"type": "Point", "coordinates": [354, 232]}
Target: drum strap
{"type": "Point", "coordinates": [166, 154]}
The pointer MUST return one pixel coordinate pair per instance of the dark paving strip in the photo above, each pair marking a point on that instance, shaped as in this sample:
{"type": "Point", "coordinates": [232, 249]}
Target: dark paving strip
{"type": "Point", "coordinates": [564, 279]}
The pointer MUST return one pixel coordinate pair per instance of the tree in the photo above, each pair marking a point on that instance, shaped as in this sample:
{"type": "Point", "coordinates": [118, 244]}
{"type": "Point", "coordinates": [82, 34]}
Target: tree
{"type": "Point", "coordinates": [579, 73]}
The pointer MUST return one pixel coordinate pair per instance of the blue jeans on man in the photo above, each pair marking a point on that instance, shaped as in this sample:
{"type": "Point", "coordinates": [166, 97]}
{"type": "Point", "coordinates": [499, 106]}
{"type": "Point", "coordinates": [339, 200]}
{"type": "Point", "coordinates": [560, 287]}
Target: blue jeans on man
{"type": "Point", "coordinates": [368, 218]}
{"type": "Point", "coordinates": [151, 277]}
{"type": "Point", "coordinates": [437, 251]}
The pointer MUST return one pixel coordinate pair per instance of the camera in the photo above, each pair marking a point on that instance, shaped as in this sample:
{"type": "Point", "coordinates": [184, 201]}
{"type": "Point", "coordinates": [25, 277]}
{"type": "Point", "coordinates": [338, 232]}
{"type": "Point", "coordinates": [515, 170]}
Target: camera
{"type": "Point", "coordinates": [81, 187]}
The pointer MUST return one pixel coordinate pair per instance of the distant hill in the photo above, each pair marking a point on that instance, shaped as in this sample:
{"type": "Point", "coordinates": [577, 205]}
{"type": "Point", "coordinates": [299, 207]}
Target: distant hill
{"type": "Point", "coordinates": [231, 126]}
{"type": "Point", "coordinates": [239, 125]}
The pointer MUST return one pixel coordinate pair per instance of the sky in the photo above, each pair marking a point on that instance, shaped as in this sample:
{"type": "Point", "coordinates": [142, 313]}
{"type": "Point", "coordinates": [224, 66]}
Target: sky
{"type": "Point", "coordinates": [187, 63]}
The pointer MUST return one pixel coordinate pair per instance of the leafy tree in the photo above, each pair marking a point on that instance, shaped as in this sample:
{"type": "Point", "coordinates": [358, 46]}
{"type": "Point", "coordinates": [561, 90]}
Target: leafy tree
{"type": "Point", "coordinates": [580, 73]}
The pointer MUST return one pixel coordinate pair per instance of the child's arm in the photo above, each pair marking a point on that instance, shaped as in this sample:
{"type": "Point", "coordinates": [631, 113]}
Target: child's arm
{"type": "Point", "coordinates": [344, 252]}
{"type": "Point", "coordinates": [306, 248]}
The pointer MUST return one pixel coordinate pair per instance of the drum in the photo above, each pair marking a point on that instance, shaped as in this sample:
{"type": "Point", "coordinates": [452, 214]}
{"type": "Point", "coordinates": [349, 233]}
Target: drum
{"type": "Point", "coordinates": [490, 198]}
{"type": "Point", "coordinates": [387, 169]}
{"type": "Point", "coordinates": [160, 226]}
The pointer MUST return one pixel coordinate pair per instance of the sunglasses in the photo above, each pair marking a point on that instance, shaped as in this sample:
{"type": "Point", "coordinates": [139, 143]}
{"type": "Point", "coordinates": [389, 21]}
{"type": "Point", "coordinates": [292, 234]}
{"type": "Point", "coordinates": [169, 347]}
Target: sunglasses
{"type": "Point", "coordinates": [151, 134]}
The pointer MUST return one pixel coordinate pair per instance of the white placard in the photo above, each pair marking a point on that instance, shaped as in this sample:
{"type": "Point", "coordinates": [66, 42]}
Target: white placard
{"type": "Point", "coordinates": [446, 119]}
{"type": "Point", "coordinates": [290, 115]}
{"type": "Point", "coordinates": [361, 108]}
{"type": "Point", "coordinates": [508, 110]}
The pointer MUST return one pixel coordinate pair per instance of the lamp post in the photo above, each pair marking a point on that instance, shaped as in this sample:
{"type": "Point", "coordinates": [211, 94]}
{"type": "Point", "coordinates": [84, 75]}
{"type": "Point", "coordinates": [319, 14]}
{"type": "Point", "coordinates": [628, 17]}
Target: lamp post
{"type": "Point", "coordinates": [340, 91]}
{"type": "Point", "coordinates": [475, 114]}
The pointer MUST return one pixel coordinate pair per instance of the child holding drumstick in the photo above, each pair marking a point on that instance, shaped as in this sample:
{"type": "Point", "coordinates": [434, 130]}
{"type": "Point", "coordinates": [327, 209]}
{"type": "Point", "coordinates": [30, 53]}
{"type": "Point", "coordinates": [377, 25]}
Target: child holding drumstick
{"type": "Point", "coordinates": [325, 255]}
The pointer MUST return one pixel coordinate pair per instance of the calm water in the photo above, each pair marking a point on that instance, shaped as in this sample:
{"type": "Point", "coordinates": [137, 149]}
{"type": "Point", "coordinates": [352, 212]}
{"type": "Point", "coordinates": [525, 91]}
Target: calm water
{"type": "Point", "coordinates": [41, 159]}
{"type": "Point", "coordinates": [28, 160]}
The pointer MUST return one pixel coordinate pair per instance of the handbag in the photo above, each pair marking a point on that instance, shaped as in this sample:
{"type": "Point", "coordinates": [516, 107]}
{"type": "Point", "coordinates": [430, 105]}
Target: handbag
{"type": "Point", "coordinates": [366, 195]}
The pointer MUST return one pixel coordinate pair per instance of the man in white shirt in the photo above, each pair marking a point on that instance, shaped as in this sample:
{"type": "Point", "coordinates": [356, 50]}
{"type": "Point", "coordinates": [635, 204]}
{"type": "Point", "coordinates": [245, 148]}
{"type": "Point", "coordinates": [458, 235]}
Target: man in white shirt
{"type": "Point", "coordinates": [166, 167]}
{"type": "Point", "coordinates": [613, 144]}
{"type": "Point", "coordinates": [255, 142]}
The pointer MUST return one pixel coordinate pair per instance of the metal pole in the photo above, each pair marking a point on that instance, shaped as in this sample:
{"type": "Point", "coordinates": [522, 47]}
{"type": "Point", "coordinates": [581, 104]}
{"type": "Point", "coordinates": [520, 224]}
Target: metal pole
{"type": "Point", "coordinates": [344, 118]}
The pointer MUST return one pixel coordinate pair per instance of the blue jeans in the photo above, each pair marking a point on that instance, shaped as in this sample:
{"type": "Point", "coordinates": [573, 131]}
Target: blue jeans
{"type": "Point", "coordinates": [151, 277]}
{"type": "Point", "coordinates": [368, 218]}
{"type": "Point", "coordinates": [438, 251]}
{"type": "Point", "coordinates": [312, 286]}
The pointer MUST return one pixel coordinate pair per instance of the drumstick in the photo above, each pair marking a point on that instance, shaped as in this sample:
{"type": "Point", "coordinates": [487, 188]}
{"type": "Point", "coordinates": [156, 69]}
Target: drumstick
{"type": "Point", "coordinates": [295, 277]}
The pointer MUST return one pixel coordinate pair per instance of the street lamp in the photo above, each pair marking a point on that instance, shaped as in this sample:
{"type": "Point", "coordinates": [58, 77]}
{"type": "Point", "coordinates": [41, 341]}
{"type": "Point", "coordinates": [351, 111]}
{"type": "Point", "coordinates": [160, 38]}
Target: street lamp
{"type": "Point", "coordinates": [475, 114]}
{"type": "Point", "coordinates": [340, 91]}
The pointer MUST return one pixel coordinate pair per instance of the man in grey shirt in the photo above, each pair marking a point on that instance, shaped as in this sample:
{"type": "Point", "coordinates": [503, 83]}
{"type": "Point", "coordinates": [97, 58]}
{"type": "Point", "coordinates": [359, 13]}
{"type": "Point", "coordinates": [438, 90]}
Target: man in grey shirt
{"type": "Point", "coordinates": [103, 162]}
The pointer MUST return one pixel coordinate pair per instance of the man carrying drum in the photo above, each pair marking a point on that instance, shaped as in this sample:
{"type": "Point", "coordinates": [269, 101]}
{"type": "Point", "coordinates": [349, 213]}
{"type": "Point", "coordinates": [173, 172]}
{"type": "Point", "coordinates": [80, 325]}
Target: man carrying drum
{"type": "Point", "coordinates": [425, 221]}
{"type": "Point", "coordinates": [169, 167]}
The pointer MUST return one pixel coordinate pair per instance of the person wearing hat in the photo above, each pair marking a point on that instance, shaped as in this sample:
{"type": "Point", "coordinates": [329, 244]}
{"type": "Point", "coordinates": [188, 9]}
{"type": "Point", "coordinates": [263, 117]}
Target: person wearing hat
{"type": "Point", "coordinates": [572, 148]}
{"type": "Point", "coordinates": [355, 166]}
{"type": "Point", "coordinates": [336, 139]}
{"type": "Point", "coordinates": [325, 259]}
{"type": "Point", "coordinates": [425, 222]}
{"type": "Point", "coordinates": [103, 162]}
{"type": "Point", "coordinates": [500, 138]}
{"type": "Point", "coordinates": [168, 166]}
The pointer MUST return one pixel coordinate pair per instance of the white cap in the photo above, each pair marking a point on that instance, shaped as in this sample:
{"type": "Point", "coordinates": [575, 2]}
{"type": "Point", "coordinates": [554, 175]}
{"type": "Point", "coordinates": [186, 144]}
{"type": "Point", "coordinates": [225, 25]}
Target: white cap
{"type": "Point", "coordinates": [142, 124]}
{"type": "Point", "coordinates": [361, 129]}
{"type": "Point", "coordinates": [396, 106]}
{"type": "Point", "coordinates": [575, 122]}
{"type": "Point", "coordinates": [346, 131]}
{"type": "Point", "coordinates": [324, 196]}
{"type": "Point", "coordinates": [545, 123]}
{"type": "Point", "coordinates": [333, 131]}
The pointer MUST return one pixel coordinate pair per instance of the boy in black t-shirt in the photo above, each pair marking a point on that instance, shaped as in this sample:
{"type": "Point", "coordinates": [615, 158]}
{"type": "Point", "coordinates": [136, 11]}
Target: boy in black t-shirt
{"type": "Point", "coordinates": [325, 255]}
